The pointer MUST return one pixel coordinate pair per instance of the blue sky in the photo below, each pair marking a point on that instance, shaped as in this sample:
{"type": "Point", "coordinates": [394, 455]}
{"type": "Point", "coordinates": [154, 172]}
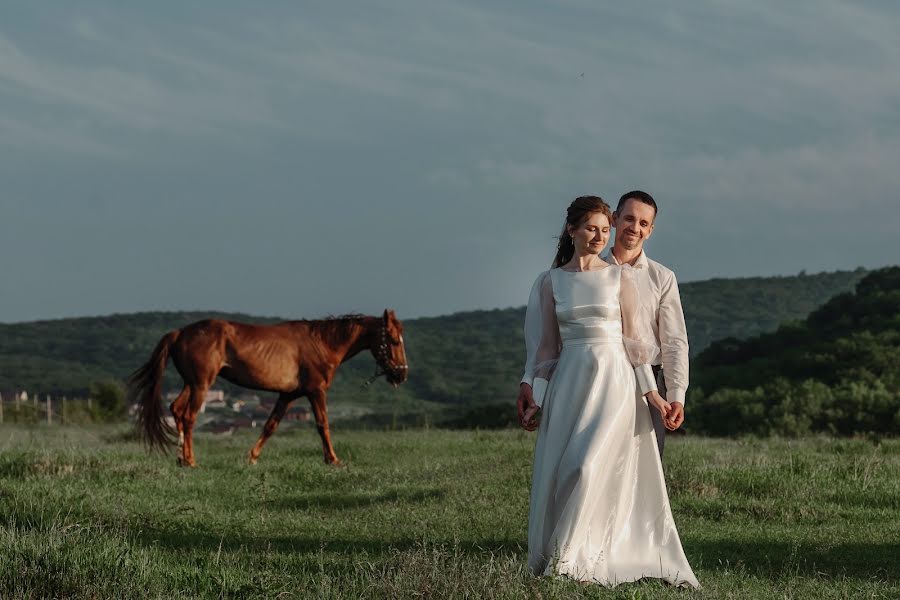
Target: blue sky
{"type": "Point", "coordinates": [304, 159]}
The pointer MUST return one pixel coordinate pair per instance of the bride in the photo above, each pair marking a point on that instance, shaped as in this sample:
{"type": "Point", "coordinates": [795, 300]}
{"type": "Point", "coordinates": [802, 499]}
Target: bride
{"type": "Point", "coordinates": [599, 507]}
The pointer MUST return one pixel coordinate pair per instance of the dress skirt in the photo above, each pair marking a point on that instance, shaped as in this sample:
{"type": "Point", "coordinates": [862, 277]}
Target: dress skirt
{"type": "Point", "coordinates": [599, 507]}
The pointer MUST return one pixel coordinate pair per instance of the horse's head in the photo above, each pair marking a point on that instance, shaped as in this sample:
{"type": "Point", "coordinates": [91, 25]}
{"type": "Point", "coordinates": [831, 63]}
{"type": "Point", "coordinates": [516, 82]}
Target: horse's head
{"type": "Point", "coordinates": [389, 351]}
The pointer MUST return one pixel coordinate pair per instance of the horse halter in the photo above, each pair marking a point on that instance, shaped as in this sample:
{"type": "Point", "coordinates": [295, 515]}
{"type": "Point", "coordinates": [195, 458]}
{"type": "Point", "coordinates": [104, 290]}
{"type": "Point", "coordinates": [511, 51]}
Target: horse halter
{"type": "Point", "coordinates": [383, 362]}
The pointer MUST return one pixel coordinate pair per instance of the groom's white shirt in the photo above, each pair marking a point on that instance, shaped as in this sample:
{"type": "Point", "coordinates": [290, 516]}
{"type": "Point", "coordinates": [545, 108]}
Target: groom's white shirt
{"type": "Point", "coordinates": [660, 284]}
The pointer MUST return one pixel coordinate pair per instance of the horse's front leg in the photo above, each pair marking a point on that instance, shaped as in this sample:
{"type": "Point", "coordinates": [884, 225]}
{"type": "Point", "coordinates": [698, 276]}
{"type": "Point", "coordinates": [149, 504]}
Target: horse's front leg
{"type": "Point", "coordinates": [271, 424]}
{"type": "Point", "coordinates": [318, 400]}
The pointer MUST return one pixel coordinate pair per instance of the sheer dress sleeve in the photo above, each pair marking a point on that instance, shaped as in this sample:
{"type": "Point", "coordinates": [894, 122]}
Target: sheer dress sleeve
{"type": "Point", "coordinates": [637, 331]}
{"type": "Point", "coordinates": [542, 341]}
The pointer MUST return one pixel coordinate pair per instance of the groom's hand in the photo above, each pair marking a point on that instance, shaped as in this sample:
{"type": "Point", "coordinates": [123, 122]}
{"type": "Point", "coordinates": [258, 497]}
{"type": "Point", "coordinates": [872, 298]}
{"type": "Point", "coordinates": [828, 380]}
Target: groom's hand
{"type": "Point", "coordinates": [527, 408]}
{"type": "Point", "coordinates": [676, 416]}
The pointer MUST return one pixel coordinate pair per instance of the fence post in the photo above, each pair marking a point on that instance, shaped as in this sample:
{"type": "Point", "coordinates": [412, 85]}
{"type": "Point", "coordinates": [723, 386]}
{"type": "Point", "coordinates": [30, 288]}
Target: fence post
{"type": "Point", "coordinates": [49, 411]}
{"type": "Point", "coordinates": [62, 416]}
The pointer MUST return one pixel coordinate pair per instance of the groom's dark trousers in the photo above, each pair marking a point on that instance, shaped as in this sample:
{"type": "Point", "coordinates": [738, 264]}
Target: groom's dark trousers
{"type": "Point", "coordinates": [654, 414]}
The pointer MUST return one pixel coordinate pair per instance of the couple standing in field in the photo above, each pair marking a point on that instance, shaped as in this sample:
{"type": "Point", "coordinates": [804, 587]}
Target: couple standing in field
{"type": "Point", "coordinates": [598, 329]}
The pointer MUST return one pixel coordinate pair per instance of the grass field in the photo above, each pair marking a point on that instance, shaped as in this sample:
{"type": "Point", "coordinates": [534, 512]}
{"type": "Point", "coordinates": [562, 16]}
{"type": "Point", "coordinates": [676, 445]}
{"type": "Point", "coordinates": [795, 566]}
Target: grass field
{"type": "Point", "coordinates": [421, 514]}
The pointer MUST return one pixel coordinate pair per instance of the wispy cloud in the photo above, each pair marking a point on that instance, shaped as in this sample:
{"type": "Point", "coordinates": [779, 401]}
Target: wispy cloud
{"type": "Point", "coordinates": [23, 136]}
{"type": "Point", "coordinates": [185, 100]}
{"type": "Point", "coordinates": [729, 111]}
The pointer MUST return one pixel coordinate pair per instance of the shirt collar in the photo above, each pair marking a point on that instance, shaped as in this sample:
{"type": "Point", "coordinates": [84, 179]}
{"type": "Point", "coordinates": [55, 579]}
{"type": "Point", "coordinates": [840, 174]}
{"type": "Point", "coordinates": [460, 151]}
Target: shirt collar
{"type": "Point", "coordinates": [640, 263]}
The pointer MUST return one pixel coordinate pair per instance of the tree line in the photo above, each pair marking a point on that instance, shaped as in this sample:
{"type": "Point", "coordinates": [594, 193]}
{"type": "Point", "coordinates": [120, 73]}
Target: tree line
{"type": "Point", "coordinates": [836, 371]}
{"type": "Point", "coordinates": [468, 362]}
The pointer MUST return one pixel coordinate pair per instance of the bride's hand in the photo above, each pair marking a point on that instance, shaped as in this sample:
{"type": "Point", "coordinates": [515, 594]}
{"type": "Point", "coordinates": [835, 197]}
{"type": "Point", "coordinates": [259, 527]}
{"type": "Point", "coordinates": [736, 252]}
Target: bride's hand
{"type": "Point", "coordinates": [527, 408]}
{"type": "Point", "coordinates": [658, 402]}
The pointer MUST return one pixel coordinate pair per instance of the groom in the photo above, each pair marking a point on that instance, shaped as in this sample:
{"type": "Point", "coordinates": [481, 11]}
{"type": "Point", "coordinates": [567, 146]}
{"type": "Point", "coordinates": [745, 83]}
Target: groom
{"type": "Point", "coordinates": [634, 219]}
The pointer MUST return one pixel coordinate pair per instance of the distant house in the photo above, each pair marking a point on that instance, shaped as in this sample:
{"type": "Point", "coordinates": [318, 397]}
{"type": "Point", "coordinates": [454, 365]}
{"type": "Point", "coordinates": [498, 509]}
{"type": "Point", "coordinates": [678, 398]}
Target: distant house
{"type": "Point", "coordinates": [222, 427]}
{"type": "Point", "coordinates": [214, 399]}
{"type": "Point", "coordinates": [297, 411]}
{"type": "Point", "coordinates": [260, 411]}
{"type": "Point", "coordinates": [243, 421]}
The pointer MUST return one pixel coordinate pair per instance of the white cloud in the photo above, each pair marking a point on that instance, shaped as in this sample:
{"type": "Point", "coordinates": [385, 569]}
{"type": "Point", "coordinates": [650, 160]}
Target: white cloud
{"type": "Point", "coordinates": [822, 181]}
{"type": "Point", "coordinates": [44, 137]}
{"type": "Point", "coordinates": [725, 109]}
{"type": "Point", "coordinates": [85, 28]}
{"type": "Point", "coordinates": [132, 98]}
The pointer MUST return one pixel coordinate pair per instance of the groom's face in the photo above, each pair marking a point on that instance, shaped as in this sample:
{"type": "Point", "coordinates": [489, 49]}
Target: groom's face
{"type": "Point", "coordinates": [634, 224]}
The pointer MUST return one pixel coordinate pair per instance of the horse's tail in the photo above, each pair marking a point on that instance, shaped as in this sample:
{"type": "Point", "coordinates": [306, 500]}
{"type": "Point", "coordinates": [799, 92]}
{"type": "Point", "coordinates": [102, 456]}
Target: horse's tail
{"type": "Point", "coordinates": [145, 387]}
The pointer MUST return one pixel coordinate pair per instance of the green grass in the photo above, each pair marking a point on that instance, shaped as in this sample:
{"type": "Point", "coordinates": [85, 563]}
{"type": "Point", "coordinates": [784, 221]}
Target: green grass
{"type": "Point", "coordinates": [421, 514]}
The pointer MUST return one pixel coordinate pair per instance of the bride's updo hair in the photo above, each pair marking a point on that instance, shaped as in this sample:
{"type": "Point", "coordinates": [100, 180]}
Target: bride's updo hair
{"type": "Point", "coordinates": [578, 212]}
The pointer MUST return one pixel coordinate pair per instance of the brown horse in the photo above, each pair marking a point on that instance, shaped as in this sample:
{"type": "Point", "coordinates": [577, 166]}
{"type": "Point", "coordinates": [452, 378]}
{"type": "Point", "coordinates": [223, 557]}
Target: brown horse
{"type": "Point", "coordinates": [294, 358]}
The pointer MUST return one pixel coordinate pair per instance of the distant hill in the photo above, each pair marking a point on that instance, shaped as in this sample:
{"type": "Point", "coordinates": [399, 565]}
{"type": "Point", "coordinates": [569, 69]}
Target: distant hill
{"type": "Point", "coordinates": [464, 358]}
{"type": "Point", "coordinates": [837, 371]}
{"type": "Point", "coordinates": [741, 308]}
{"type": "Point", "coordinates": [67, 355]}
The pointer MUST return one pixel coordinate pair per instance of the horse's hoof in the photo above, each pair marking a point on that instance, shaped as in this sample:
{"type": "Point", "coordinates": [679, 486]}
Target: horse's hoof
{"type": "Point", "coordinates": [251, 460]}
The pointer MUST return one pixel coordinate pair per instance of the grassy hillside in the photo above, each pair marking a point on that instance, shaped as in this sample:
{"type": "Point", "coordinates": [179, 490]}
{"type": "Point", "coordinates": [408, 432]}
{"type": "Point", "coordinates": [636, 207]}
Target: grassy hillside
{"type": "Point", "coordinates": [465, 358]}
{"type": "Point", "coordinates": [836, 371]}
{"type": "Point", "coordinates": [741, 308]}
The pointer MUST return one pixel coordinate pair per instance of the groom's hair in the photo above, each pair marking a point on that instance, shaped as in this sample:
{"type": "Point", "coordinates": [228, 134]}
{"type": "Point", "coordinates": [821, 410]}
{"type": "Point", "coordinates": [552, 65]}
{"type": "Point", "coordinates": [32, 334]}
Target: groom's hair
{"type": "Point", "coordinates": [640, 197]}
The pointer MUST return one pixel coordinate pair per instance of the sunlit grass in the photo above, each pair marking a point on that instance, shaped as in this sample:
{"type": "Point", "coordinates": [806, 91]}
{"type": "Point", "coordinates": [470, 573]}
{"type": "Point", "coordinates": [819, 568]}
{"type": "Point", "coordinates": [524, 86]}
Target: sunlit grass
{"type": "Point", "coordinates": [439, 514]}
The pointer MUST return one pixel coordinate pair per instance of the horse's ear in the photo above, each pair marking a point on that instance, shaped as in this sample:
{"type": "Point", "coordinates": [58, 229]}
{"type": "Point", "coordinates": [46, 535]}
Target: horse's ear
{"type": "Point", "coordinates": [387, 315]}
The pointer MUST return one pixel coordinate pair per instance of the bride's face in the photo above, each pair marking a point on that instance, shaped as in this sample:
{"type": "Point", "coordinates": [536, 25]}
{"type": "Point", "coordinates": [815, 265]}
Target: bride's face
{"type": "Point", "coordinates": [591, 236]}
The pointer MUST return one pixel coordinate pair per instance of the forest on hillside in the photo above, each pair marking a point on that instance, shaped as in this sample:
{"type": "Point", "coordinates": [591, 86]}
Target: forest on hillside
{"type": "Point", "coordinates": [467, 357]}
{"type": "Point", "coordinates": [837, 371]}
{"type": "Point", "coordinates": [761, 366]}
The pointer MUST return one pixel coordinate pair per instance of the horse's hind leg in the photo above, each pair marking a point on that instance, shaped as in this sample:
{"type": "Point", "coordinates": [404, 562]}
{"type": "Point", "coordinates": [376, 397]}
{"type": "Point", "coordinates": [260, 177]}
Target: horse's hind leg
{"type": "Point", "coordinates": [317, 400]}
{"type": "Point", "coordinates": [271, 424]}
{"type": "Point", "coordinates": [198, 394]}
{"type": "Point", "coordinates": [178, 409]}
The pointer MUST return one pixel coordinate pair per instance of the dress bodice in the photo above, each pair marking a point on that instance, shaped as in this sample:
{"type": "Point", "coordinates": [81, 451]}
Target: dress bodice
{"type": "Point", "coordinates": [587, 305]}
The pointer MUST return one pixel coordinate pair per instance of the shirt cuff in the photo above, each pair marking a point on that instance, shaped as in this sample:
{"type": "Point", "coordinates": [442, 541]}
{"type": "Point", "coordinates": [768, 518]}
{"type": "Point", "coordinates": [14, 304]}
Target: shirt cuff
{"type": "Point", "coordinates": [675, 395]}
{"type": "Point", "coordinates": [645, 380]}
{"type": "Point", "coordinates": [529, 379]}
{"type": "Point", "coordinates": [538, 390]}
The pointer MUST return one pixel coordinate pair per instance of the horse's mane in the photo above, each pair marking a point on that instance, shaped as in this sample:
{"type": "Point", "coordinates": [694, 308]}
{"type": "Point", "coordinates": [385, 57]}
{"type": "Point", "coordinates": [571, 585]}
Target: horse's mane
{"type": "Point", "coordinates": [334, 329]}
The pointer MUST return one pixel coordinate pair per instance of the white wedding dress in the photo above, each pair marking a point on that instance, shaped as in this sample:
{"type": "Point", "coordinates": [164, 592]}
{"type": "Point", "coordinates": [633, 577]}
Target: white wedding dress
{"type": "Point", "coordinates": [599, 507]}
